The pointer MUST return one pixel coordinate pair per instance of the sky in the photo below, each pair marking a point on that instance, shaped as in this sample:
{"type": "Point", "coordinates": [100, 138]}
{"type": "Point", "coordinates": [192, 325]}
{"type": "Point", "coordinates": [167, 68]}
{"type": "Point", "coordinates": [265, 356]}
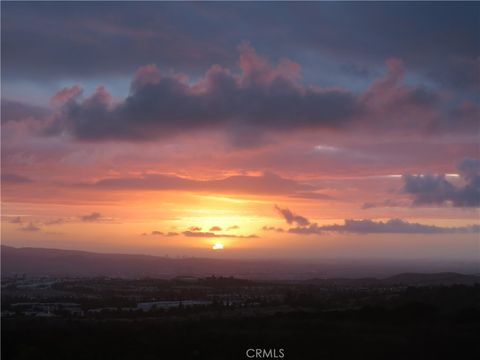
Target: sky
{"type": "Point", "coordinates": [274, 130]}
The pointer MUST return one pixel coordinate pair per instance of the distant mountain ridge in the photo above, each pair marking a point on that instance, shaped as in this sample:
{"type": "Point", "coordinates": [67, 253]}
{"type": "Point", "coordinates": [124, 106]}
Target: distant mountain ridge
{"type": "Point", "coordinates": [42, 261]}
{"type": "Point", "coordinates": [406, 279]}
{"type": "Point", "coordinates": [57, 262]}
{"type": "Point", "coordinates": [444, 278]}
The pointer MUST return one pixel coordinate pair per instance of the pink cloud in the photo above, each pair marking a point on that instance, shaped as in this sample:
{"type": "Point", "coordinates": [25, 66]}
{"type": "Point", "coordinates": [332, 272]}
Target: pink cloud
{"type": "Point", "coordinates": [65, 95]}
{"type": "Point", "coordinates": [257, 70]}
{"type": "Point", "coordinates": [147, 74]}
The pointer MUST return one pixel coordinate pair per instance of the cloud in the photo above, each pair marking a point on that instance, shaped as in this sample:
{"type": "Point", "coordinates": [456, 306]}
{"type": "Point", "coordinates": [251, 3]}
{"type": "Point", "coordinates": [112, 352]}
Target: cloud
{"type": "Point", "coordinates": [233, 227]}
{"type": "Point", "coordinates": [292, 218]}
{"type": "Point", "coordinates": [15, 111]}
{"type": "Point", "coordinates": [366, 226]}
{"type": "Point", "coordinates": [392, 226]}
{"type": "Point", "coordinates": [385, 203]}
{"type": "Point", "coordinates": [67, 220]}
{"type": "Point", "coordinates": [161, 233]}
{"type": "Point", "coordinates": [65, 95]}
{"type": "Point", "coordinates": [195, 231]}
{"type": "Point", "coordinates": [59, 221]}
{"type": "Point", "coordinates": [431, 189]}
{"type": "Point", "coordinates": [200, 234]}
{"type": "Point", "coordinates": [272, 228]}
{"type": "Point", "coordinates": [16, 220]}
{"type": "Point", "coordinates": [120, 38]}
{"type": "Point", "coordinates": [252, 102]}
{"type": "Point", "coordinates": [93, 217]}
{"type": "Point", "coordinates": [312, 195]}
{"type": "Point", "coordinates": [266, 184]}
{"type": "Point", "coordinates": [30, 227]}
{"type": "Point", "coordinates": [395, 226]}
{"type": "Point", "coordinates": [261, 96]}
{"type": "Point", "coordinates": [259, 99]}
{"type": "Point", "coordinates": [10, 178]}
{"type": "Point", "coordinates": [312, 228]}
{"type": "Point", "coordinates": [391, 105]}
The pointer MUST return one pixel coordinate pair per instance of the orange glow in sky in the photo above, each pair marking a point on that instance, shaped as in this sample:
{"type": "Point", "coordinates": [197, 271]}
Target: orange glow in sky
{"type": "Point", "coordinates": [254, 150]}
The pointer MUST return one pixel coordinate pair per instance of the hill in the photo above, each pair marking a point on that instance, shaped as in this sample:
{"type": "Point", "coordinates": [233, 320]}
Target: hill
{"type": "Point", "coordinates": [56, 262]}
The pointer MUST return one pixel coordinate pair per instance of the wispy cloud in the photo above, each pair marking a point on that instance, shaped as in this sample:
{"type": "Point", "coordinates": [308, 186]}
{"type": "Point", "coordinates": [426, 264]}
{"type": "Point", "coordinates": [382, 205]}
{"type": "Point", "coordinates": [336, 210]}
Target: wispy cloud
{"type": "Point", "coordinates": [92, 217]}
{"type": "Point", "coordinates": [209, 234]}
{"type": "Point", "coordinates": [30, 227]}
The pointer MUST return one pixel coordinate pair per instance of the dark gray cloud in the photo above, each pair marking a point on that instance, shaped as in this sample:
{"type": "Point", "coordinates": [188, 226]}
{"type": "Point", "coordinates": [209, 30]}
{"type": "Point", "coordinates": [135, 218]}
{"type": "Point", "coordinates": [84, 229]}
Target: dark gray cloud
{"type": "Point", "coordinates": [395, 226]}
{"type": "Point", "coordinates": [251, 103]}
{"type": "Point", "coordinates": [437, 190]}
{"type": "Point", "coordinates": [261, 97]}
{"type": "Point", "coordinates": [311, 228]}
{"type": "Point", "coordinates": [93, 217]}
{"type": "Point", "coordinates": [292, 218]}
{"type": "Point", "coordinates": [366, 226]}
{"type": "Point", "coordinates": [392, 226]}
{"type": "Point", "coordinates": [253, 100]}
{"type": "Point", "coordinates": [76, 39]}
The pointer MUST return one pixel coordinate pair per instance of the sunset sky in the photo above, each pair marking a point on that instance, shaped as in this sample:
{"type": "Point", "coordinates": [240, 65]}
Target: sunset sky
{"type": "Point", "coordinates": [278, 130]}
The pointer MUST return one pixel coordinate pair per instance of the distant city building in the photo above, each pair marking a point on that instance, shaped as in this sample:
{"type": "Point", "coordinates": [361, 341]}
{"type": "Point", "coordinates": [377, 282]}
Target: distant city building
{"type": "Point", "coordinates": [148, 306]}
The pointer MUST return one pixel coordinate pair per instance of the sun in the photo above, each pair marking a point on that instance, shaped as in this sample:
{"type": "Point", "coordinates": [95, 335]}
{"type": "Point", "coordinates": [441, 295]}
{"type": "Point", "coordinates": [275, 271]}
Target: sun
{"type": "Point", "coordinates": [217, 246]}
